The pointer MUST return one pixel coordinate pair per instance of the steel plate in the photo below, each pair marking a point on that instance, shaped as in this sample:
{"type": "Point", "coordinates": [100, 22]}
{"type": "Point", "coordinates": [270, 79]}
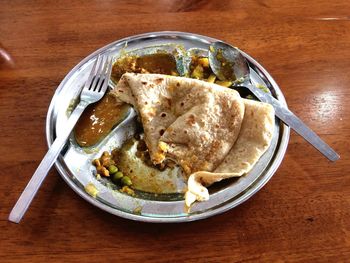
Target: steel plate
{"type": "Point", "coordinates": [74, 164]}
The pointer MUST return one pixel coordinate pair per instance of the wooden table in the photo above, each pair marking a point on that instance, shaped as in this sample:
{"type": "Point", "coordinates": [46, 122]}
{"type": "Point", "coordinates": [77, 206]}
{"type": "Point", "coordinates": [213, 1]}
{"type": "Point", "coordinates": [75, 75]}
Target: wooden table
{"type": "Point", "coordinates": [301, 215]}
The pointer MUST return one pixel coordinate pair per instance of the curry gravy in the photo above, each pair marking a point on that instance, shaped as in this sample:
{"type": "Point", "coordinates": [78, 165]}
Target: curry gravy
{"type": "Point", "coordinates": [158, 63]}
{"type": "Point", "coordinates": [98, 120]}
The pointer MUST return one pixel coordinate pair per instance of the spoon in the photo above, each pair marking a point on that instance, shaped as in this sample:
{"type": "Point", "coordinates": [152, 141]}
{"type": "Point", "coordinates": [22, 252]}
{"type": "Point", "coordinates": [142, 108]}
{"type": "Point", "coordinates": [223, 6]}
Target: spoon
{"type": "Point", "coordinates": [228, 64]}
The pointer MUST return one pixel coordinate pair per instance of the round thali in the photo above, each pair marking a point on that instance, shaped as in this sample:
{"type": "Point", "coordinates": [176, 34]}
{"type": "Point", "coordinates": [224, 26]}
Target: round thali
{"type": "Point", "coordinates": [74, 163]}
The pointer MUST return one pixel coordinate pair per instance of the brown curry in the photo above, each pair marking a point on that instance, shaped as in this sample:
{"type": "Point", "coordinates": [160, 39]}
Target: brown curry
{"type": "Point", "coordinates": [158, 63]}
{"type": "Point", "coordinates": [98, 120]}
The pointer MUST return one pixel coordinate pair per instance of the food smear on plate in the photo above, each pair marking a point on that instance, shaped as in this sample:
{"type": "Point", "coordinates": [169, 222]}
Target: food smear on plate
{"type": "Point", "coordinates": [208, 130]}
{"type": "Point", "coordinates": [130, 168]}
{"type": "Point", "coordinates": [98, 120]}
{"type": "Point", "coordinates": [91, 189]}
{"type": "Point", "coordinates": [134, 161]}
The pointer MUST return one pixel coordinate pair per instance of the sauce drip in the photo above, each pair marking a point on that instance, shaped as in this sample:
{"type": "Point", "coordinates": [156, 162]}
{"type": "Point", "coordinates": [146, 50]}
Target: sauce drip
{"type": "Point", "coordinates": [98, 119]}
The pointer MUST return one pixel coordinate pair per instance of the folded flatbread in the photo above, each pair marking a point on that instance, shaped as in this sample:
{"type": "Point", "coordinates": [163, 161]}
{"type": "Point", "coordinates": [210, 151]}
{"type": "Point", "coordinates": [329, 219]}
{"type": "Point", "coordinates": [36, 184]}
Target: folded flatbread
{"type": "Point", "coordinates": [190, 121]}
{"type": "Point", "coordinates": [254, 139]}
{"type": "Point", "coordinates": [209, 130]}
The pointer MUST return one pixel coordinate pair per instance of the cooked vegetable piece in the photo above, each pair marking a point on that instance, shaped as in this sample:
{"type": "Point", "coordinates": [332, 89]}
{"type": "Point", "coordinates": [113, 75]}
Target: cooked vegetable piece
{"type": "Point", "coordinates": [126, 181]}
{"type": "Point", "coordinates": [224, 83]}
{"type": "Point", "coordinates": [127, 190]}
{"type": "Point", "coordinates": [204, 62]}
{"type": "Point", "coordinates": [101, 170]}
{"type": "Point", "coordinates": [211, 78]}
{"type": "Point", "coordinates": [91, 190]}
{"type": "Point", "coordinates": [96, 162]}
{"type": "Point", "coordinates": [112, 169]}
{"type": "Point", "coordinates": [198, 72]}
{"type": "Point", "coordinates": [116, 177]}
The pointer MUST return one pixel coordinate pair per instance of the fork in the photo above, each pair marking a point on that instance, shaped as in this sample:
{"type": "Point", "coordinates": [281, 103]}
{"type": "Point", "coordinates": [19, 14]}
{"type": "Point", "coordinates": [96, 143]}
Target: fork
{"type": "Point", "coordinates": [94, 89]}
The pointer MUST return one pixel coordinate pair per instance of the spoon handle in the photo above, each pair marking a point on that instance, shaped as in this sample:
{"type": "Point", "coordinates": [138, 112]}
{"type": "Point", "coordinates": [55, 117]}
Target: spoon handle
{"type": "Point", "coordinates": [289, 118]}
{"type": "Point", "coordinates": [41, 172]}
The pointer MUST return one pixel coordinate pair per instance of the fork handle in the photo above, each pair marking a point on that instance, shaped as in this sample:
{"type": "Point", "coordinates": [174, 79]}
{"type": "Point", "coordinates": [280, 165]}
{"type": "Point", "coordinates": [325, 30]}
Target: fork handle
{"type": "Point", "coordinates": [41, 172]}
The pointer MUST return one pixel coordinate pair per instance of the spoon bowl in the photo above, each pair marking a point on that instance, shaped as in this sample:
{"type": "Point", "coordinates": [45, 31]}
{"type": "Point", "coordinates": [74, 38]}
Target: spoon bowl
{"type": "Point", "coordinates": [228, 63]}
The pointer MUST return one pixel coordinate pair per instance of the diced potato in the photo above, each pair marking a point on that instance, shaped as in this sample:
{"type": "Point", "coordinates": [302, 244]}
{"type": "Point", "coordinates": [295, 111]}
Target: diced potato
{"type": "Point", "coordinates": [198, 72]}
{"type": "Point", "coordinates": [91, 190]}
{"type": "Point", "coordinates": [204, 62]}
{"type": "Point", "coordinates": [163, 146]}
{"type": "Point", "coordinates": [211, 78]}
{"type": "Point", "coordinates": [224, 83]}
{"type": "Point", "coordinates": [127, 190]}
{"type": "Point", "coordinates": [96, 162]}
{"type": "Point", "coordinates": [103, 171]}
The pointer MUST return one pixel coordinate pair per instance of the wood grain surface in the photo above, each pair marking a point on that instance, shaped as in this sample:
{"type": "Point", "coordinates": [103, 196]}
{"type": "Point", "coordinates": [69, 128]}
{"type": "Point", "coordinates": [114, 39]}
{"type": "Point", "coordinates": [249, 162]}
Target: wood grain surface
{"type": "Point", "coordinates": [301, 215]}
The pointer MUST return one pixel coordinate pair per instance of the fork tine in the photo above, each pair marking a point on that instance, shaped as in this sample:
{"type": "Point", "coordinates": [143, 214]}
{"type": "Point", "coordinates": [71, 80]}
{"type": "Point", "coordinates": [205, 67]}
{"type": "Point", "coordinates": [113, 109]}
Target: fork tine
{"type": "Point", "coordinates": [92, 74]}
{"type": "Point", "coordinates": [102, 75]}
{"type": "Point", "coordinates": [98, 74]}
{"type": "Point", "coordinates": [106, 76]}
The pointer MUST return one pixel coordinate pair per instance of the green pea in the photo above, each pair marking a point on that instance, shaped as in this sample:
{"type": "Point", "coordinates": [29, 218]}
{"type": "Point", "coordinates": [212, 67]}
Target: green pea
{"type": "Point", "coordinates": [117, 176]}
{"type": "Point", "coordinates": [126, 181]}
{"type": "Point", "coordinates": [112, 169]}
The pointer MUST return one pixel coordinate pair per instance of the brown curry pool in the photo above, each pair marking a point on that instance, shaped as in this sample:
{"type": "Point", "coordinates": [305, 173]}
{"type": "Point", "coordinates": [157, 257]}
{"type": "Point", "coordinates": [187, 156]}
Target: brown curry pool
{"type": "Point", "coordinates": [98, 120]}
